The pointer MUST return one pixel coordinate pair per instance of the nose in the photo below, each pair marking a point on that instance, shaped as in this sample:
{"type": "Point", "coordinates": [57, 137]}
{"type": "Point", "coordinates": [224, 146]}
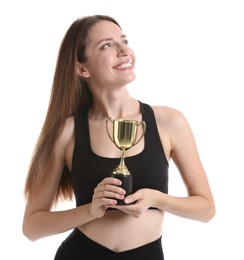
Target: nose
{"type": "Point", "coordinates": [123, 50]}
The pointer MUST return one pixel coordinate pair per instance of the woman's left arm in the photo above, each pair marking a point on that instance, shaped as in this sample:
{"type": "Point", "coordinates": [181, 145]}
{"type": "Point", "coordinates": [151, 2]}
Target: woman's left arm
{"type": "Point", "coordinates": [181, 147]}
{"type": "Point", "coordinates": [199, 204]}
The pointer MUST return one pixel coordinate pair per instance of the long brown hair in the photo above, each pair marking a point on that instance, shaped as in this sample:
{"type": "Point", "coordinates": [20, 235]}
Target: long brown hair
{"type": "Point", "coordinates": [70, 94]}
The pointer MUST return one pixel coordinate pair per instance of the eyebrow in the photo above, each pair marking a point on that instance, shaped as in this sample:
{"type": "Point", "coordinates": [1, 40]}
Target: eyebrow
{"type": "Point", "coordinates": [110, 39]}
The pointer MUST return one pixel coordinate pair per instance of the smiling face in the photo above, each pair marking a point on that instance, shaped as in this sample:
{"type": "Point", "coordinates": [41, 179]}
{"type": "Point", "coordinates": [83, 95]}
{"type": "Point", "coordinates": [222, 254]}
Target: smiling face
{"type": "Point", "coordinates": [110, 62]}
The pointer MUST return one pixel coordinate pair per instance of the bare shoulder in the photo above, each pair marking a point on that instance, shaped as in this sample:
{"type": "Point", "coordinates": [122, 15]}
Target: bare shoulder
{"type": "Point", "coordinates": [66, 134]}
{"type": "Point", "coordinates": [170, 117]}
{"type": "Point", "coordinates": [69, 124]}
{"type": "Point", "coordinates": [65, 142]}
{"type": "Point", "coordinates": [68, 129]}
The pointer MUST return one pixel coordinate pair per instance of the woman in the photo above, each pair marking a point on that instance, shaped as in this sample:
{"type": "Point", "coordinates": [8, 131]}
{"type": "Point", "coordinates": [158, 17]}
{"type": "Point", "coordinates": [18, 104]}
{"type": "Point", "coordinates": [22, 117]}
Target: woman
{"type": "Point", "coordinates": [74, 154]}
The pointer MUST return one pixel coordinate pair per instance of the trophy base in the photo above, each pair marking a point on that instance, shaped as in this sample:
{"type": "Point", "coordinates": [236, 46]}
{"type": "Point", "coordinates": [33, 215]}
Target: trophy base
{"type": "Point", "coordinates": [127, 185]}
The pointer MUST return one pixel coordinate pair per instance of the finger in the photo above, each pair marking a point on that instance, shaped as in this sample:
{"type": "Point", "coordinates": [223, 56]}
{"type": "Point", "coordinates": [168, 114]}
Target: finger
{"type": "Point", "coordinates": [131, 198]}
{"type": "Point", "coordinates": [109, 187]}
{"type": "Point", "coordinates": [103, 203]}
{"type": "Point", "coordinates": [109, 194]}
{"type": "Point", "coordinates": [112, 181]}
{"type": "Point", "coordinates": [124, 208]}
{"type": "Point", "coordinates": [131, 210]}
{"type": "Point", "coordinates": [108, 191]}
{"type": "Point", "coordinates": [107, 202]}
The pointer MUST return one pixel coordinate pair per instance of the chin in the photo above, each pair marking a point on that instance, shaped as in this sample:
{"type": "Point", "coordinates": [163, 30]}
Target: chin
{"type": "Point", "coordinates": [131, 79]}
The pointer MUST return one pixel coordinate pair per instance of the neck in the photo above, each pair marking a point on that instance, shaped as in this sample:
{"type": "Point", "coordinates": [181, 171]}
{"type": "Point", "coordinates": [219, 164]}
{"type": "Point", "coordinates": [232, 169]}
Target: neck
{"type": "Point", "coordinates": [119, 108]}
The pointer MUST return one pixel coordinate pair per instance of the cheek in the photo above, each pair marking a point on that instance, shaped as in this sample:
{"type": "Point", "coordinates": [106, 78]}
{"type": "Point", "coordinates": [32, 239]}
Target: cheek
{"type": "Point", "coordinates": [101, 61]}
{"type": "Point", "coordinates": [133, 55]}
{"type": "Point", "coordinates": [101, 65]}
{"type": "Point", "coordinates": [104, 65]}
{"type": "Point", "coordinates": [99, 71]}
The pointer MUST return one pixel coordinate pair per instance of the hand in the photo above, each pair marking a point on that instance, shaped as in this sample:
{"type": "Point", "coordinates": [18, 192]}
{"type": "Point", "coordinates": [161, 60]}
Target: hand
{"type": "Point", "coordinates": [105, 195]}
{"type": "Point", "coordinates": [143, 199]}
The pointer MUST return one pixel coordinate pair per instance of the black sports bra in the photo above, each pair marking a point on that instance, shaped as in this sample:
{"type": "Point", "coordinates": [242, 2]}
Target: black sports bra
{"type": "Point", "coordinates": [149, 168]}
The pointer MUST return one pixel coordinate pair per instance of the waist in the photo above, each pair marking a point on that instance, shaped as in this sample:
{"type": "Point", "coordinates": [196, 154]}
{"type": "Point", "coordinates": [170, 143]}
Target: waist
{"type": "Point", "coordinates": [119, 231]}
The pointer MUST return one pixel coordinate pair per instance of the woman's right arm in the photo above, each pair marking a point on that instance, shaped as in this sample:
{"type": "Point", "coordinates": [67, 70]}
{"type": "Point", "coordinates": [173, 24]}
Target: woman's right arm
{"type": "Point", "coordinates": [39, 218]}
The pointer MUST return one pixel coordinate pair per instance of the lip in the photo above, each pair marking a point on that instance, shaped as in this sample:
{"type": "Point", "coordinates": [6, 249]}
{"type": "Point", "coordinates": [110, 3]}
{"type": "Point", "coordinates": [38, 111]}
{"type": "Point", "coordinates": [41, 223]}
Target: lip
{"type": "Point", "coordinates": [124, 65]}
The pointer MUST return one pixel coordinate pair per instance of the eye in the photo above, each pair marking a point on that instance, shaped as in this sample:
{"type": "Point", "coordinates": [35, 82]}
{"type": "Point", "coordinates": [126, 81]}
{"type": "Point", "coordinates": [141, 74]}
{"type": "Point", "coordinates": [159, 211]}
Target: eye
{"type": "Point", "coordinates": [126, 42]}
{"type": "Point", "coordinates": [106, 45]}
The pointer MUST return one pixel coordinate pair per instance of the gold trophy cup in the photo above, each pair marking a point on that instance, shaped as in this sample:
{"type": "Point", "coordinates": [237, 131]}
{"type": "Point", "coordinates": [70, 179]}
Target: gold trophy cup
{"type": "Point", "coordinates": [124, 137]}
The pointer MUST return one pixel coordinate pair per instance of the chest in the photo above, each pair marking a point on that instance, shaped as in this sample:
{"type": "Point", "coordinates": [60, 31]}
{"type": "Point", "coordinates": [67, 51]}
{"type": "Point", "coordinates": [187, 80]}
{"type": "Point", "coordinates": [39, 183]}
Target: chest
{"type": "Point", "coordinates": [95, 156]}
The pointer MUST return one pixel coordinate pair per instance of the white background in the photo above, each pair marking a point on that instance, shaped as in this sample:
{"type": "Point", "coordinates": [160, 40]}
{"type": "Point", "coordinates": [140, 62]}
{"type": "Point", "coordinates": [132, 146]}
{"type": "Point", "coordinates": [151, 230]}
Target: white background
{"type": "Point", "coordinates": [190, 56]}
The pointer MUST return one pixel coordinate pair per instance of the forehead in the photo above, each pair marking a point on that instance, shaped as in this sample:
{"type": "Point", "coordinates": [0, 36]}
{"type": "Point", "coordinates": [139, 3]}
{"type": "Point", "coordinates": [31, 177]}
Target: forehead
{"type": "Point", "coordinates": [102, 30]}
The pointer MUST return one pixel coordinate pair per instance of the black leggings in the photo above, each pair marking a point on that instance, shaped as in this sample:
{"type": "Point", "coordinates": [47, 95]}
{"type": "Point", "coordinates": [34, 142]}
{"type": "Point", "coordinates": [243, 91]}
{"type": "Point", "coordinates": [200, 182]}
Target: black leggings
{"type": "Point", "coordinates": [78, 246]}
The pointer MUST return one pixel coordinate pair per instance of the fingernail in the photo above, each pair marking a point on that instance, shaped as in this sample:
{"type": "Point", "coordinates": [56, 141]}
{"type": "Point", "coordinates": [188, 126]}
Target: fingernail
{"type": "Point", "coordinates": [126, 201]}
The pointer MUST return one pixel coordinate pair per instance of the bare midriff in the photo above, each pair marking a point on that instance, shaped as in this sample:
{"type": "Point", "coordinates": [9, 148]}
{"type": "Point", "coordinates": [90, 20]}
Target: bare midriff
{"type": "Point", "coordinates": [119, 232]}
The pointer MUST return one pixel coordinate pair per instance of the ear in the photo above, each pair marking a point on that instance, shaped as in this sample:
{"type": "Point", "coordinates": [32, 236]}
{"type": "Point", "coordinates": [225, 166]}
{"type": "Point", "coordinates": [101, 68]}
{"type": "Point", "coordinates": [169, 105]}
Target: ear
{"type": "Point", "coordinates": [82, 71]}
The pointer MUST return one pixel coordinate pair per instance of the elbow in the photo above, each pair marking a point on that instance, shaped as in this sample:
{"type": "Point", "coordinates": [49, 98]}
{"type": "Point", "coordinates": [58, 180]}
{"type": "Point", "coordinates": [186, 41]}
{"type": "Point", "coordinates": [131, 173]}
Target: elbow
{"type": "Point", "coordinates": [28, 233]}
{"type": "Point", "coordinates": [32, 239]}
{"type": "Point", "coordinates": [209, 213]}
{"type": "Point", "coordinates": [208, 217]}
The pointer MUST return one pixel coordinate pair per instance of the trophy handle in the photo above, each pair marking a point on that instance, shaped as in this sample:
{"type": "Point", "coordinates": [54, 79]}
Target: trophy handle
{"type": "Point", "coordinates": [143, 124]}
{"type": "Point", "coordinates": [109, 119]}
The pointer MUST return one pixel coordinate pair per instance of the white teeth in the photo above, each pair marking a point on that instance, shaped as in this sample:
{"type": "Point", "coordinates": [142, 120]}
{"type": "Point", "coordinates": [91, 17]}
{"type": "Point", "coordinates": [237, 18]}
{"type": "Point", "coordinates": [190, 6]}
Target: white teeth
{"type": "Point", "coordinates": [125, 66]}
